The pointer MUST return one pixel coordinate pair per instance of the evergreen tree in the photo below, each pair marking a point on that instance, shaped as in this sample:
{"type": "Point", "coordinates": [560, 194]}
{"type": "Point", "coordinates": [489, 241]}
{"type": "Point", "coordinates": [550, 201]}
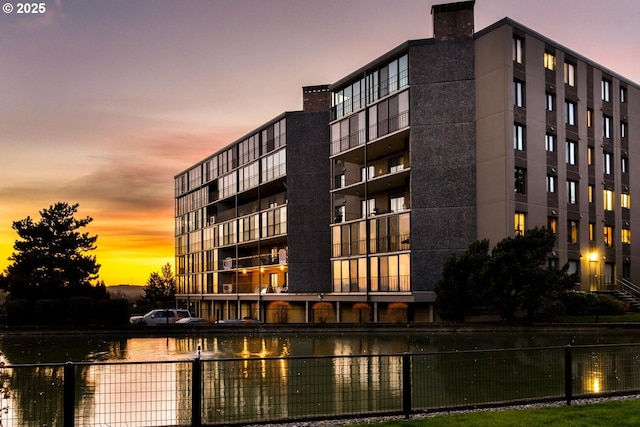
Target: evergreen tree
{"type": "Point", "coordinates": [50, 259]}
{"type": "Point", "coordinates": [161, 287]}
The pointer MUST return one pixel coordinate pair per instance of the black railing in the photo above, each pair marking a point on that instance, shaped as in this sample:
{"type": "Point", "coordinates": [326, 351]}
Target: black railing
{"type": "Point", "coordinates": [281, 389]}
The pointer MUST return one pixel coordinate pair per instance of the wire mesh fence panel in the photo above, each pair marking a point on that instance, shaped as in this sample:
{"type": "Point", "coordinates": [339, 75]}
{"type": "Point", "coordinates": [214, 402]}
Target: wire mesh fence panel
{"type": "Point", "coordinates": [293, 388]}
{"type": "Point", "coordinates": [605, 369]}
{"type": "Point", "coordinates": [134, 394]}
{"type": "Point", "coordinates": [468, 378]}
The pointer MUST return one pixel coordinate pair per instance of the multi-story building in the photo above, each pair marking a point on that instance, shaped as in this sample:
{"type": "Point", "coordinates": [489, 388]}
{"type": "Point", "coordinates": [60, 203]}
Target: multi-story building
{"type": "Point", "coordinates": [251, 220]}
{"type": "Point", "coordinates": [465, 136]}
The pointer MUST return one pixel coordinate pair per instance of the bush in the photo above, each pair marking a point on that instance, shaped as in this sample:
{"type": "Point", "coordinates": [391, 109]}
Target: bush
{"type": "Point", "coordinates": [81, 310]}
{"type": "Point", "coordinates": [609, 305]}
{"type": "Point", "coordinates": [49, 311]}
{"type": "Point", "coordinates": [280, 311]}
{"type": "Point", "coordinates": [17, 311]}
{"type": "Point", "coordinates": [362, 312]}
{"type": "Point", "coordinates": [397, 312]}
{"type": "Point", "coordinates": [323, 312]}
{"type": "Point", "coordinates": [580, 303]}
{"type": "Point", "coordinates": [113, 312]}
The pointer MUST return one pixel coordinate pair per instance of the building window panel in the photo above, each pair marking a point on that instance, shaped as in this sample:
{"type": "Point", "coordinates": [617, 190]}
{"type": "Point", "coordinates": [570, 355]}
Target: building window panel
{"type": "Point", "coordinates": [609, 200]}
{"type": "Point", "coordinates": [570, 113]}
{"type": "Point", "coordinates": [608, 236]}
{"type": "Point", "coordinates": [572, 232]}
{"type": "Point", "coordinates": [607, 166]}
{"type": "Point", "coordinates": [519, 137]}
{"type": "Point", "coordinates": [625, 236]}
{"type": "Point", "coordinates": [569, 74]}
{"type": "Point", "coordinates": [550, 101]}
{"type": "Point", "coordinates": [572, 192]}
{"type": "Point", "coordinates": [625, 201]}
{"type": "Point", "coordinates": [549, 61]}
{"type": "Point", "coordinates": [552, 224]}
{"type": "Point", "coordinates": [570, 152]}
{"type": "Point", "coordinates": [606, 90]}
{"type": "Point", "coordinates": [607, 127]}
{"type": "Point", "coordinates": [520, 180]}
{"type": "Point", "coordinates": [550, 142]}
{"type": "Point", "coordinates": [518, 50]}
{"type": "Point", "coordinates": [519, 220]}
{"type": "Point", "coordinates": [551, 183]}
{"type": "Point", "coordinates": [518, 97]}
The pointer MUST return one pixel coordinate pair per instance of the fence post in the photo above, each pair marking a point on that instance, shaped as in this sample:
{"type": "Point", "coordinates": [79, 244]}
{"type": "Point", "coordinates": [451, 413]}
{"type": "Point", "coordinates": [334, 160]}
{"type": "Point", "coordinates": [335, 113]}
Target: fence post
{"type": "Point", "coordinates": [196, 393]}
{"type": "Point", "coordinates": [406, 384]}
{"type": "Point", "coordinates": [69, 395]}
{"type": "Point", "coordinates": [568, 375]}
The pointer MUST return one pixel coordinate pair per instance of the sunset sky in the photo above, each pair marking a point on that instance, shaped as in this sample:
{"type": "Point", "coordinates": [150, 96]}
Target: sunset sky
{"type": "Point", "coordinates": [103, 102]}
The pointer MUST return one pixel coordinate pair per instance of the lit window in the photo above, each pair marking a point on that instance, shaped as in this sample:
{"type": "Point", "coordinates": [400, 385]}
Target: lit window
{"type": "Point", "coordinates": [608, 197]}
{"type": "Point", "coordinates": [520, 181]}
{"type": "Point", "coordinates": [607, 126]}
{"type": "Point", "coordinates": [569, 74]}
{"type": "Point", "coordinates": [551, 184]}
{"type": "Point", "coordinates": [552, 224]}
{"type": "Point", "coordinates": [625, 236]}
{"type": "Point", "coordinates": [368, 208]}
{"type": "Point", "coordinates": [518, 96]}
{"type": "Point", "coordinates": [625, 201]}
{"type": "Point", "coordinates": [570, 152]}
{"type": "Point", "coordinates": [519, 220]}
{"type": "Point", "coordinates": [606, 90]}
{"type": "Point", "coordinates": [550, 142]}
{"type": "Point", "coordinates": [572, 232]}
{"type": "Point", "coordinates": [549, 61]}
{"type": "Point", "coordinates": [607, 166]}
{"type": "Point", "coordinates": [608, 236]}
{"type": "Point", "coordinates": [570, 113]}
{"type": "Point", "coordinates": [590, 156]}
{"type": "Point", "coordinates": [518, 137]}
{"type": "Point", "coordinates": [518, 50]}
{"type": "Point", "coordinates": [572, 192]}
{"type": "Point", "coordinates": [550, 102]}
{"type": "Point", "coordinates": [396, 203]}
{"type": "Point", "coordinates": [589, 117]}
{"type": "Point", "coordinates": [590, 190]}
{"type": "Point", "coordinates": [592, 231]}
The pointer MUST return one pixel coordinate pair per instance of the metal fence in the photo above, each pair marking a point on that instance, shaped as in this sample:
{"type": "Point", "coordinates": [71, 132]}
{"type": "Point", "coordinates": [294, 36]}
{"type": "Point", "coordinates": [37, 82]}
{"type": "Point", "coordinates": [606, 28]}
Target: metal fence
{"type": "Point", "coordinates": [259, 390]}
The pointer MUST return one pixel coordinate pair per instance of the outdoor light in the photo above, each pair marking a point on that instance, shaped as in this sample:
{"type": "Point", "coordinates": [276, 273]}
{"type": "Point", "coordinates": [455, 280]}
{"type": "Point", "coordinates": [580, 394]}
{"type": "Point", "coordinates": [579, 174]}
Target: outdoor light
{"type": "Point", "coordinates": [593, 256]}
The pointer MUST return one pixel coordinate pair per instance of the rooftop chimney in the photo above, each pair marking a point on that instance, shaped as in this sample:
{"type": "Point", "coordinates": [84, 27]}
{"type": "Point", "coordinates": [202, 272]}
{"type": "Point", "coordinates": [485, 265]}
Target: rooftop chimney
{"type": "Point", "coordinates": [453, 21]}
{"type": "Point", "coordinates": [316, 99]}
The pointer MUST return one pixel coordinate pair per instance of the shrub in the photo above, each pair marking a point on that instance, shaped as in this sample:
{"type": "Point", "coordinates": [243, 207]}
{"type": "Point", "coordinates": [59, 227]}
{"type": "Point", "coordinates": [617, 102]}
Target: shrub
{"type": "Point", "coordinates": [49, 311]}
{"type": "Point", "coordinates": [323, 312]}
{"type": "Point", "coordinates": [362, 312]}
{"type": "Point", "coordinates": [17, 311]}
{"type": "Point", "coordinates": [579, 303]}
{"type": "Point", "coordinates": [81, 310]}
{"type": "Point", "coordinates": [397, 312]}
{"type": "Point", "coordinates": [113, 312]}
{"type": "Point", "coordinates": [609, 305]}
{"type": "Point", "coordinates": [280, 311]}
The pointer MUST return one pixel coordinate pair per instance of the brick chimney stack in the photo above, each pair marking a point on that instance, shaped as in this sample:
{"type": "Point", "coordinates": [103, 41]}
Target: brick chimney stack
{"type": "Point", "coordinates": [316, 98]}
{"type": "Point", "coordinates": [453, 21]}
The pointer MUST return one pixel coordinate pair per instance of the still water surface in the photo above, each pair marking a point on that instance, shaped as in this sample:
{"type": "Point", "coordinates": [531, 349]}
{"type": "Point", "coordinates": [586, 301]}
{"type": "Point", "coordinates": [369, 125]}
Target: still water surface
{"type": "Point", "coordinates": [30, 348]}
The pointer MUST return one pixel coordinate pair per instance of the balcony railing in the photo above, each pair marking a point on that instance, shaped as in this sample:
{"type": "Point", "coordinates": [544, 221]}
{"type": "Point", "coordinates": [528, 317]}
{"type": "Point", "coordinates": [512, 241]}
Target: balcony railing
{"type": "Point", "coordinates": [376, 130]}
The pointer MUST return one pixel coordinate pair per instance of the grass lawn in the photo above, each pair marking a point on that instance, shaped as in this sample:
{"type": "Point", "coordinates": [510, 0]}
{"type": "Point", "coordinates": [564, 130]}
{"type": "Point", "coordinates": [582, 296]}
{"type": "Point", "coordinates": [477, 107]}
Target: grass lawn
{"type": "Point", "coordinates": [618, 413]}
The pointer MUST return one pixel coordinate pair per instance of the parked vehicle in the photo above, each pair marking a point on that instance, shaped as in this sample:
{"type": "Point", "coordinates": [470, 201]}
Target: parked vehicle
{"type": "Point", "coordinates": [243, 320]}
{"type": "Point", "coordinates": [191, 320]}
{"type": "Point", "coordinates": [165, 316]}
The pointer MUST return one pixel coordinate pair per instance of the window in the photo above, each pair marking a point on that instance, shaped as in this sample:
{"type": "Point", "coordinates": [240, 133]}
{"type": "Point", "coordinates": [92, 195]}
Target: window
{"type": "Point", "coordinates": [624, 164]}
{"type": "Point", "coordinates": [340, 213]}
{"type": "Point", "coordinates": [550, 142]}
{"type": "Point", "coordinates": [519, 221]}
{"type": "Point", "coordinates": [367, 173]}
{"type": "Point", "coordinates": [609, 200]}
{"type": "Point", "coordinates": [396, 203]}
{"type": "Point", "coordinates": [569, 74]}
{"type": "Point", "coordinates": [552, 224]}
{"type": "Point", "coordinates": [623, 130]}
{"type": "Point", "coordinates": [572, 232]}
{"type": "Point", "coordinates": [518, 96]}
{"type": "Point", "coordinates": [550, 101]}
{"type": "Point", "coordinates": [625, 236]}
{"type": "Point", "coordinates": [590, 156]}
{"type": "Point", "coordinates": [607, 163]}
{"type": "Point", "coordinates": [623, 94]}
{"type": "Point", "coordinates": [518, 50]}
{"type": "Point", "coordinates": [570, 113]}
{"type": "Point", "coordinates": [625, 200]}
{"type": "Point", "coordinates": [589, 117]}
{"type": "Point", "coordinates": [608, 236]}
{"type": "Point", "coordinates": [549, 61]}
{"type": "Point", "coordinates": [572, 192]}
{"type": "Point", "coordinates": [592, 231]}
{"type": "Point", "coordinates": [518, 137]}
{"type": "Point", "coordinates": [606, 90]}
{"type": "Point", "coordinates": [520, 180]}
{"type": "Point", "coordinates": [551, 184]}
{"type": "Point", "coordinates": [368, 208]}
{"type": "Point", "coordinates": [590, 190]}
{"type": "Point", "coordinates": [607, 124]}
{"type": "Point", "coordinates": [570, 152]}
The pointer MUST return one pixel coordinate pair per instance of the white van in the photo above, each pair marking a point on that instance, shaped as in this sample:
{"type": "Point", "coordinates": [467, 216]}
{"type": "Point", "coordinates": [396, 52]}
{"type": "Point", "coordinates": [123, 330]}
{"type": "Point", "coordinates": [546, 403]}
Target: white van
{"type": "Point", "coordinates": [160, 317]}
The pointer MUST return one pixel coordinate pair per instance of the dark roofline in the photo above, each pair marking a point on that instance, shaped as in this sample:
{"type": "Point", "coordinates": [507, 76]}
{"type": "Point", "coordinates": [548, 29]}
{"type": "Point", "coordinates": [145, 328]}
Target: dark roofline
{"type": "Point", "coordinates": [547, 40]}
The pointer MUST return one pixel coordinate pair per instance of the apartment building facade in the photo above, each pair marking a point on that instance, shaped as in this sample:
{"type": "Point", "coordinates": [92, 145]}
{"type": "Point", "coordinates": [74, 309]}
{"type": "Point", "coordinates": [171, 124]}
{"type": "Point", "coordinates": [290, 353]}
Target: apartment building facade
{"type": "Point", "coordinates": [433, 145]}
